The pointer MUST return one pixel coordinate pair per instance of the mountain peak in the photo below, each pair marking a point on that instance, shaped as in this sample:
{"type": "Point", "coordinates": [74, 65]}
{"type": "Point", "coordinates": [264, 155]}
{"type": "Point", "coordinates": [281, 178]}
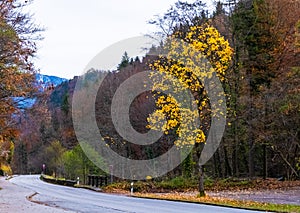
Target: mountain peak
{"type": "Point", "coordinates": [45, 81]}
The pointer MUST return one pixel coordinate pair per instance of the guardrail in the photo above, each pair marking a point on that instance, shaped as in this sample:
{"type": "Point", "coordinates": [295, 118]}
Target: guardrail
{"type": "Point", "coordinates": [97, 180]}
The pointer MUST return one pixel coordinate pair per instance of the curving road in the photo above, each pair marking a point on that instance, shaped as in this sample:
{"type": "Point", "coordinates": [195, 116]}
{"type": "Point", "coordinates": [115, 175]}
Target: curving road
{"type": "Point", "coordinates": [83, 200]}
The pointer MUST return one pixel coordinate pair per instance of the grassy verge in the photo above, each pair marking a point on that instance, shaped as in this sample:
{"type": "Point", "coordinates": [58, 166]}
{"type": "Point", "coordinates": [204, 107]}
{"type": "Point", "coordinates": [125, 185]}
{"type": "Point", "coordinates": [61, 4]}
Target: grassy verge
{"type": "Point", "coordinates": [223, 202]}
{"type": "Point", "coordinates": [59, 181]}
{"type": "Point", "coordinates": [178, 184]}
{"type": "Point", "coordinates": [181, 184]}
{"type": "Point", "coordinates": [52, 178]}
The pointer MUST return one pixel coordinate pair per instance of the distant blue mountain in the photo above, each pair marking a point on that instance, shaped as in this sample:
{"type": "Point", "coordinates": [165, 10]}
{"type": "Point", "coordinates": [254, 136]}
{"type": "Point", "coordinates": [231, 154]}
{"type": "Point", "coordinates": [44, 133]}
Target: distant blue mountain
{"type": "Point", "coordinates": [43, 82]}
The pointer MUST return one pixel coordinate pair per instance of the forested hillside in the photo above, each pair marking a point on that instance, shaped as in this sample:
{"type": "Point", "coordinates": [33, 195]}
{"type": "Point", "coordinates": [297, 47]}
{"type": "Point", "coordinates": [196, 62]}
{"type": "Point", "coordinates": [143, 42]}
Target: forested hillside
{"type": "Point", "coordinates": [260, 77]}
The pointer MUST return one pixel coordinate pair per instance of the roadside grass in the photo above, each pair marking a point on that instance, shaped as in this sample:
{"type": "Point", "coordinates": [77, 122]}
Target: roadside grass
{"type": "Point", "coordinates": [182, 184]}
{"type": "Point", "coordinates": [52, 178]}
{"type": "Point", "coordinates": [223, 202]}
{"type": "Point", "coordinates": [177, 183]}
{"type": "Point", "coordinates": [59, 181]}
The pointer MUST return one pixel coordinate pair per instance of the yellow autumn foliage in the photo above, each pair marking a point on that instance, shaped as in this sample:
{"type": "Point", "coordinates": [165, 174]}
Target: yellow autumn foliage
{"type": "Point", "coordinates": [6, 152]}
{"type": "Point", "coordinates": [6, 169]}
{"type": "Point", "coordinates": [190, 58]}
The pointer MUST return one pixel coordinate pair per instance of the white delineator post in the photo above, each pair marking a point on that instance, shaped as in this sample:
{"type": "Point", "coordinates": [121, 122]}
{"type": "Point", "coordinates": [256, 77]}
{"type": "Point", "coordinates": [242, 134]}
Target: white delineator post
{"type": "Point", "coordinates": [131, 190]}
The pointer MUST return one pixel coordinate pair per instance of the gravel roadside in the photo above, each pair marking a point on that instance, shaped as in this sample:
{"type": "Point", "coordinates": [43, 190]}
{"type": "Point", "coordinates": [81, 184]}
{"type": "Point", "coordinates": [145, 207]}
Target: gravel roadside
{"type": "Point", "coordinates": [14, 199]}
{"type": "Point", "coordinates": [278, 196]}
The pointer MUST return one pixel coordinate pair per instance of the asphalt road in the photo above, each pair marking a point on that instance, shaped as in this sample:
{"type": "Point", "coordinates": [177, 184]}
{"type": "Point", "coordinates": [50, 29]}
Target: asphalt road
{"type": "Point", "coordinates": [83, 200]}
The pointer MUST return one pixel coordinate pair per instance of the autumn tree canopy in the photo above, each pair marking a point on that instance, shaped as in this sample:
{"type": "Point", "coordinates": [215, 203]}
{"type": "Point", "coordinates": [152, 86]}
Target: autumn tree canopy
{"type": "Point", "coordinates": [18, 35]}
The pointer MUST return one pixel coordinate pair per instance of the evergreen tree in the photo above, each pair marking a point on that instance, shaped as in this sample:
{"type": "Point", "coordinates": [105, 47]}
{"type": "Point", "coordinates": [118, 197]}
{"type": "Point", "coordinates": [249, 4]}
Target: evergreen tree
{"type": "Point", "coordinates": [125, 61]}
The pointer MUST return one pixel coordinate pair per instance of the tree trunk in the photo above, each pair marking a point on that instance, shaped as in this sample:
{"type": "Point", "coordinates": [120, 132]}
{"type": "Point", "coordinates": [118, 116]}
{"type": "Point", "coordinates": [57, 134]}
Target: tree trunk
{"type": "Point", "coordinates": [199, 148]}
{"type": "Point", "coordinates": [228, 170]}
{"type": "Point", "coordinates": [250, 127]}
{"type": "Point", "coordinates": [219, 164]}
{"type": "Point", "coordinates": [201, 181]}
{"type": "Point", "coordinates": [265, 161]}
{"type": "Point", "coordinates": [235, 151]}
{"type": "Point", "coordinates": [251, 153]}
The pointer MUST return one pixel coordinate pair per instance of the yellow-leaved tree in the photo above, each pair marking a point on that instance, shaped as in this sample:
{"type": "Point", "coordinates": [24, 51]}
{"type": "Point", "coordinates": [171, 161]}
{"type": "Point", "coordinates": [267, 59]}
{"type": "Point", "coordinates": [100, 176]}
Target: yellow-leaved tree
{"type": "Point", "coordinates": [188, 64]}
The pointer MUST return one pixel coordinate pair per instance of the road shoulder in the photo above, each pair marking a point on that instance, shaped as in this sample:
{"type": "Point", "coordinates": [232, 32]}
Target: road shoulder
{"type": "Point", "coordinates": [14, 198]}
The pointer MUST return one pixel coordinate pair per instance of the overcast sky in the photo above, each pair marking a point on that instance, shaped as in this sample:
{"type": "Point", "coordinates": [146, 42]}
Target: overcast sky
{"type": "Point", "coordinates": [77, 30]}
